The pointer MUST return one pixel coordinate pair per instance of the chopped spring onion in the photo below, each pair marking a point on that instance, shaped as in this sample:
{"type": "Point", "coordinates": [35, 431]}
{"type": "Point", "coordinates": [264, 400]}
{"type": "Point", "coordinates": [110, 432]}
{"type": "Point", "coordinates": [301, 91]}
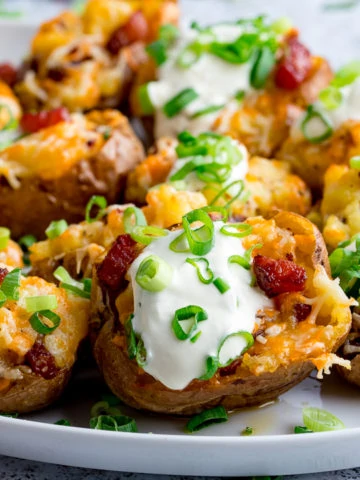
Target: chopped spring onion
{"type": "Point", "coordinates": [184, 151]}
{"type": "Point", "coordinates": [56, 228]}
{"type": "Point", "coordinates": [46, 325]}
{"type": "Point", "coordinates": [180, 244]}
{"type": "Point", "coordinates": [12, 122]}
{"type": "Point", "coordinates": [3, 298]}
{"type": "Point", "coordinates": [347, 74]}
{"type": "Point", "coordinates": [225, 192]}
{"type": "Point", "coordinates": [146, 105]}
{"type": "Point", "coordinates": [192, 314]}
{"type": "Point", "coordinates": [107, 134]}
{"type": "Point", "coordinates": [240, 230]}
{"type": "Point", "coordinates": [4, 237]}
{"type": "Point", "coordinates": [245, 260]}
{"type": "Point", "coordinates": [331, 98]}
{"type": "Point", "coordinates": [157, 50]}
{"type": "Point", "coordinates": [300, 429]}
{"type": "Point", "coordinates": [95, 201]}
{"type": "Point", "coordinates": [204, 272]}
{"type": "Point", "coordinates": [154, 274]}
{"type": "Point", "coordinates": [214, 172]}
{"type": "Point", "coordinates": [212, 364]}
{"type": "Point", "coordinates": [130, 338]}
{"type": "Point", "coordinates": [63, 422]}
{"type": "Point", "coordinates": [133, 217]}
{"type": "Point", "coordinates": [186, 138]}
{"type": "Point", "coordinates": [141, 354]}
{"type": "Point", "coordinates": [78, 292]}
{"type": "Point", "coordinates": [10, 415]}
{"type": "Point", "coordinates": [147, 234]}
{"type": "Point", "coordinates": [202, 239]}
{"type": "Point", "coordinates": [247, 431]}
{"type": "Point", "coordinates": [168, 32]}
{"type": "Point", "coordinates": [281, 25]}
{"type": "Point", "coordinates": [239, 95]}
{"type": "Point", "coordinates": [80, 289]}
{"type": "Point", "coordinates": [196, 337]}
{"type": "Point", "coordinates": [355, 162]}
{"type": "Point", "coordinates": [221, 285]}
{"type": "Point", "coordinates": [111, 399]}
{"type": "Point", "coordinates": [249, 343]}
{"type": "Point", "coordinates": [179, 102]}
{"type": "Point", "coordinates": [207, 110]}
{"type": "Point", "coordinates": [207, 418]}
{"type": "Point", "coordinates": [116, 423]}
{"type": "Point", "coordinates": [214, 209]}
{"type": "Point", "coordinates": [321, 126]}
{"type": "Point", "coordinates": [11, 283]}
{"type": "Point", "coordinates": [41, 302]}
{"type": "Point", "coordinates": [262, 67]}
{"type": "Point", "coordinates": [319, 420]}
{"type": "Point", "coordinates": [103, 408]}
{"type": "Point", "coordinates": [187, 168]}
{"type": "Point", "coordinates": [190, 55]}
{"type": "Point", "coordinates": [26, 241]}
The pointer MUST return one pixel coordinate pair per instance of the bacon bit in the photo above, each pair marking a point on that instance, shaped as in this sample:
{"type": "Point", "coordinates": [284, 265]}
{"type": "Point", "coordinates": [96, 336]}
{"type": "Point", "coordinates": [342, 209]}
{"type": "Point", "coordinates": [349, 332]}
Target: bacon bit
{"type": "Point", "coordinates": [278, 276]}
{"type": "Point", "coordinates": [135, 30]}
{"type": "Point", "coordinates": [57, 74]}
{"type": "Point", "coordinates": [230, 369]}
{"type": "Point", "coordinates": [294, 66]}
{"type": "Point", "coordinates": [3, 273]}
{"type": "Point", "coordinates": [111, 272]}
{"type": "Point", "coordinates": [41, 361]}
{"type": "Point", "coordinates": [8, 73]}
{"type": "Point", "coordinates": [302, 311]}
{"type": "Point", "coordinates": [33, 122]}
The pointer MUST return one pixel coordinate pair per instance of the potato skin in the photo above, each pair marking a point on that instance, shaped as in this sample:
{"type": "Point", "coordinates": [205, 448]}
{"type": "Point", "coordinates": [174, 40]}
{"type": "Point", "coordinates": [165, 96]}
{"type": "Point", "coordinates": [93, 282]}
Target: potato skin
{"type": "Point", "coordinates": [353, 375]}
{"type": "Point", "coordinates": [241, 388]}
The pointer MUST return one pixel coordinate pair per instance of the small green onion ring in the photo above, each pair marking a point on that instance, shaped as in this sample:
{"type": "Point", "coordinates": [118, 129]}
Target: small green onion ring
{"type": "Point", "coordinates": [186, 138]}
{"type": "Point", "coordinates": [249, 343]}
{"type": "Point", "coordinates": [11, 283]}
{"type": "Point", "coordinates": [98, 201]}
{"type": "Point", "coordinates": [312, 114]}
{"type": "Point", "coordinates": [4, 237]}
{"type": "Point", "coordinates": [103, 408]}
{"type": "Point", "coordinates": [262, 67]}
{"type": "Point", "coordinates": [186, 169]}
{"type": "Point", "coordinates": [139, 218]}
{"type": "Point", "coordinates": [355, 162]}
{"type": "Point", "coordinates": [27, 241]}
{"type": "Point", "coordinates": [116, 423]}
{"type": "Point", "coordinates": [247, 431]}
{"type": "Point", "coordinates": [212, 364]}
{"type": "Point", "coordinates": [180, 244]}
{"type": "Point", "coordinates": [195, 262]}
{"type": "Point", "coordinates": [141, 353]}
{"type": "Point", "coordinates": [147, 234]}
{"type": "Point", "coordinates": [217, 209]}
{"type": "Point", "coordinates": [41, 302]}
{"type": "Point", "coordinates": [201, 241]}
{"type": "Point", "coordinates": [214, 172]}
{"type": "Point", "coordinates": [225, 190]}
{"type": "Point", "coordinates": [331, 98]}
{"type": "Point", "coordinates": [154, 274]}
{"type": "Point", "coordinates": [157, 50]}
{"type": "Point", "coordinates": [130, 338]}
{"type": "Point", "coordinates": [169, 33]}
{"type": "Point", "coordinates": [190, 55]}
{"type": "Point", "coordinates": [179, 102]}
{"type": "Point", "coordinates": [12, 123]}
{"type": "Point", "coordinates": [184, 151]}
{"type": "Point", "coordinates": [245, 260]}
{"type": "Point", "coordinates": [221, 285]}
{"type": "Point", "coordinates": [207, 110]}
{"type": "Point", "coordinates": [79, 289]}
{"type": "Point", "coordinates": [63, 422]}
{"type": "Point", "coordinates": [146, 105]}
{"type": "Point", "coordinates": [240, 95]}
{"type": "Point", "coordinates": [300, 429]}
{"type": "Point", "coordinates": [39, 326]}
{"type": "Point", "coordinates": [206, 418]}
{"type": "Point", "coordinates": [243, 229]}
{"type": "Point", "coordinates": [194, 312]}
{"type": "Point", "coordinates": [319, 420]}
{"type": "Point", "coordinates": [56, 228]}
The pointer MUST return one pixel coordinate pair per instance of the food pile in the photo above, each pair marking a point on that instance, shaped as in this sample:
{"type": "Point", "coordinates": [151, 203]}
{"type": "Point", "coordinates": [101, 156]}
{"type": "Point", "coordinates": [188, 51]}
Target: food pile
{"type": "Point", "coordinates": [210, 271]}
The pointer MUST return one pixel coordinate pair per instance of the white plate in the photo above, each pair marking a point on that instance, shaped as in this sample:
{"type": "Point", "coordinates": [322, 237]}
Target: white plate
{"type": "Point", "coordinates": [162, 447]}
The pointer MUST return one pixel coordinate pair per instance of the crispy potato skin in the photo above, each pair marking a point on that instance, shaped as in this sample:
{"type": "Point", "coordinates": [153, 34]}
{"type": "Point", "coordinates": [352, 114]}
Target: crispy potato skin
{"type": "Point", "coordinates": [38, 201]}
{"type": "Point", "coordinates": [239, 388]}
{"type": "Point", "coordinates": [33, 392]}
{"type": "Point", "coordinates": [353, 375]}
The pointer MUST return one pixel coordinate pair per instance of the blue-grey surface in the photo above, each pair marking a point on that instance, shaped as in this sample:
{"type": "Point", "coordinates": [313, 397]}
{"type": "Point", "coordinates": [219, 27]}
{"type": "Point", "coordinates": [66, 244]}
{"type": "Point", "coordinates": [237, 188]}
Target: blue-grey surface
{"type": "Point", "coordinates": [332, 32]}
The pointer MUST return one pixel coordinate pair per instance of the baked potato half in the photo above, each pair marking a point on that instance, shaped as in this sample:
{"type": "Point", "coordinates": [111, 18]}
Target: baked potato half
{"type": "Point", "coordinates": [299, 318]}
{"type": "Point", "coordinates": [52, 174]}
{"type": "Point", "coordinates": [38, 345]}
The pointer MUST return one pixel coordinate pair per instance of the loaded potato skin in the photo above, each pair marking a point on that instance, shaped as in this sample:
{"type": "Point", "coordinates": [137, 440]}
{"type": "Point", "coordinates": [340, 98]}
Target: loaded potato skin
{"type": "Point", "coordinates": [309, 319]}
{"type": "Point", "coordinates": [90, 155]}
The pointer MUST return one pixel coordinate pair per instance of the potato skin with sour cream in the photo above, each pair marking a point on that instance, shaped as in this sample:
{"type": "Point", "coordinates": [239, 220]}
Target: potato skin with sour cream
{"type": "Point", "coordinates": [291, 347]}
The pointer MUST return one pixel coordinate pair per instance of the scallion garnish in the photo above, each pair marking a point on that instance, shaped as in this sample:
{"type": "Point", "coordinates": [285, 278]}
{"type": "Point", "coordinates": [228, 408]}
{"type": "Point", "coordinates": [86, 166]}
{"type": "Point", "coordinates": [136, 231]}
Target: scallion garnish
{"type": "Point", "coordinates": [12, 122]}
{"type": "Point", "coordinates": [63, 422]}
{"type": "Point", "coordinates": [116, 423]}
{"type": "Point", "coordinates": [130, 338]}
{"type": "Point", "coordinates": [10, 415]}
{"type": "Point", "coordinates": [202, 239]}
{"type": "Point", "coordinates": [146, 105]}
{"type": "Point", "coordinates": [133, 217]}
{"type": "Point", "coordinates": [212, 364]}
{"type": "Point", "coordinates": [179, 102]}
{"type": "Point", "coordinates": [300, 429]}
{"type": "Point", "coordinates": [147, 234]}
{"type": "Point", "coordinates": [331, 97]}
{"type": "Point", "coordinates": [224, 362]}
{"type": "Point", "coordinates": [344, 263]}
{"type": "Point", "coordinates": [141, 354]}
{"type": "Point", "coordinates": [221, 285]}
{"type": "Point", "coordinates": [184, 151]}
{"type": "Point", "coordinates": [347, 74]}
{"type": "Point", "coordinates": [281, 25]}
{"type": "Point", "coordinates": [4, 237]}
{"type": "Point", "coordinates": [355, 162]}
{"type": "Point", "coordinates": [192, 314]}
{"type": "Point", "coordinates": [11, 283]}
{"type": "Point", "coordinates": [245, 260]}
{"type": "Point", "coordinates": [168, 32]}
{"type": "Point", "coordinates": [319, 420]}
{"type": "Point", "coordinates": [44, 321]}
{"type": "Point", "coordinates": [103, 408]}
{"type": "Point", "coordinates": [207, 110]}
{"type": "Point", "coordinates": [203, 270]}
{"type": "Point", "coordinates": [80, 289]}
{"type": "Point", "coordinates": [238, 184]}
{"type": "Point", "coordinates": [180, 244]}
{"type": "Point", "coordinates": [240, 230]}
{"type": "Point", "coordinates": [27, 241]}
{"type": "Point", "coordinates": [154, 274]}
{"type": "Point", "coordinates": [207, 418]}
{"type": "Point", "coordinates": [157, 50]}
{"type": "Point", "coordinates": [315, 126]}
{"type": "Point", "coordinates": [186, 169]}
{"type": "Point", "coordinates": [240, 95]}
{"type": "Point", "coordinates": [56, 228]}
{"type": "Point", "coordinates": [95, 201]}
{"type": "Point", "coordinates": [41, 302]}
{"type": "Point", "coordinates": [186, 138]}
{"type": "Point", "coordinates": [262, 67]}
{"type": "Point", "coordinates": [247, 431]}
{"type": "Point", "coordinates": [3, 298]}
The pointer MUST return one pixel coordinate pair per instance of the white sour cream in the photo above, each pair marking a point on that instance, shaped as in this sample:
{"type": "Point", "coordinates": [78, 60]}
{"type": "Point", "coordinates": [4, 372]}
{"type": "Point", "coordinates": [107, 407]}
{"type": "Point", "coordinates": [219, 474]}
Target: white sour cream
{"type": "Point", "coordinates": [215, 80]}
{"type": "Point", "coordinates": [176, 363]}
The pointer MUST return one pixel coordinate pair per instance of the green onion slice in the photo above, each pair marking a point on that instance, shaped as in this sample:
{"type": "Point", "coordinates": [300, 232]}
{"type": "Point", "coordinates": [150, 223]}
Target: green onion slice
{"type": "Point", "coordinates": [319, 420]}
{"type": "Point", "coordinates": [186, 169]}
{"type": "Point", "coordinates": [207, 110]}
{"type": "Point", "coordinates": [184, 151]}
{"type": "Point", "coordinates": [249, 343]}
{"type": "Point", "coordinates": [212, 364]}
{"type": "Point", "coordinates": [203, 270]}
{"type": "Point", "coordinates": [202, 239]}
{"type": "Point", "coordinates": [131, 338]}
{"type": "Point", "coordinates": [3, 298]}
{"type": "Point", "coordinates": [169, 33]}
{"type": "Point", "coordinates": [300, 429]}
{"type": "Point", "coordinates": [4, 237]}
{"type": "Point", "coordinates": [116, 423]}
{"type": "Point", "coordinates": [239, 184]}
{"type": "Point", "coordinates": [245, 260]}
{"type": "Point", "coordinates": [262, 67]}
{"type": "Point", "coordinates": [214, 172]}
{"type": "Point", "coordinates": [63, 422]}
{"type": "Point", "coordinates": [157, 50]}
{"type": "Point", "coordinates": [331, 98]}
{"type": "Point", "coordinates": [180, 244]}
{"type": "Point", "coordinates": [347, 74]}
{"type": "Point", "coordinates": [12, 123]}
{"type": "Point", "coordinates": [147, 234]}
{"type": "Point", "coordinates": [11, 283]}
{"type": "Point", "coordinates": [322, 126]}
{"type": "Point", "coordinates": [240, 95]}
{"type": "Point", "coordinates": [207, 418]}
{"type": "Point", "coordinates": [281, 25]}
{"type": "Point", "coordinates": [111, 399]}
{"type": "Point", "coordinates": [41, 302]}
{"type": "Point", "coordinates": [186, 138]}
{"type": "Point", "coordinates": [42, 326]}
{"type": "Point", "coordinates": [103, 408]}
{"type": "Point", "coordinates": [179, 102]}
{"type": "Point", "coordinates": [247, 431]}
{"type": "Point", "coordinates": [27, 241]}
{"type": "Point", "coordinates": [79, 289]}
{"type": "Point", "coordinates": [56, 228]}
{"type": "Point", "coordinates": [240, 230]}
{"type": "Point", "coordinates": [190, 55]}
{"type": "Point", "coordinates": [215, 209]}
{"type": "Point", "coordinates": [9, 415]}
{"type": "Point", "coordinates": [193, 314]}
{"type": "Point", "coordinates": [146, 105]}
{"type": "Point", "coordinates": [141, 354]}
{"type": "Point", "coordinates": [133, 217]}
{"type": "Point", "coordinates": [355, 162]}
{"type": "Point", "coordinates": [196, 337]}
{"type": "Point", "coordinates": [154, 274]}
{"type": "Point", "coordinates": [95, 201]}
{"type": "Point", "coordinates": [221, 285]}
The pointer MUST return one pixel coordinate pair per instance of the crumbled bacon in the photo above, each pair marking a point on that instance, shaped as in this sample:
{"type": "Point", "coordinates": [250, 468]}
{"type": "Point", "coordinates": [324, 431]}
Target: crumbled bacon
{"type": "Point", "coordinates": [294, 67]}
{"type": "Point", "coordinates": [8, 73]}
{"type": "Point", "coordinates": [41, 361]}
{"type": "Point", "coordinates": [33, 122]}
{"type": "Point", "coordinates": [301, 311]}
{"type": "Point", "coordinates": [3, 273]}
{"type": "Point", "coordinates": [135, 30]}
{"type": "Point", "coordinates": [111, 272]}
{"type": "Point", "coordinates": [230, 369]}
{"type": "Point", "coordinates": [278, 276]}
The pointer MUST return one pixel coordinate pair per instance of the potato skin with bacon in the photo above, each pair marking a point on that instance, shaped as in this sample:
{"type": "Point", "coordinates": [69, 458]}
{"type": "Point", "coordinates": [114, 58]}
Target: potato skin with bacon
{"type": "Point", "coordinates": [93, 155]}
{"type": "Point", "coordinates": [267, 369]}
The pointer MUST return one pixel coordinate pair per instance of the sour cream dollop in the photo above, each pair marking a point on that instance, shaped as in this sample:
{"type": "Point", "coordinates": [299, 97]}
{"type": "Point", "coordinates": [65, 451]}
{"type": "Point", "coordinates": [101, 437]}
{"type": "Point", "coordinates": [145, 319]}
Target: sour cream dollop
{"type": "Point", "coordinates": [174, 362]}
